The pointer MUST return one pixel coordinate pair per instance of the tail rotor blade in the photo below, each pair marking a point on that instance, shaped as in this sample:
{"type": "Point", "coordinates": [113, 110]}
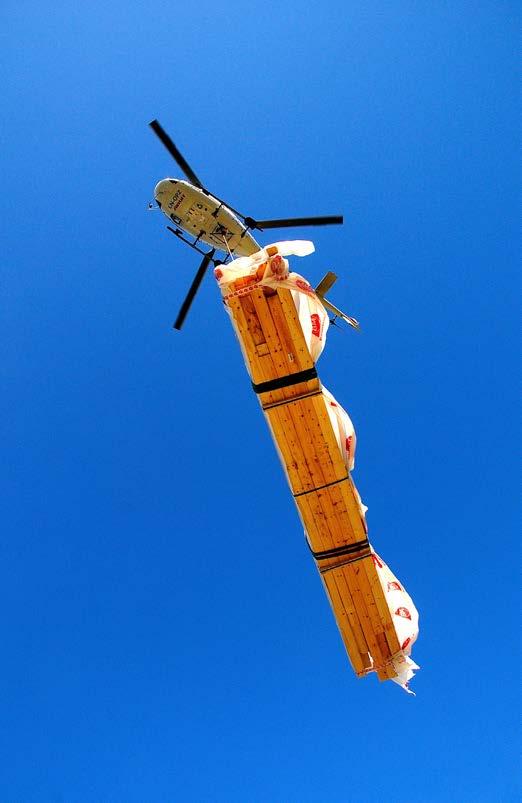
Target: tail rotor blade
{"type": "Point", "coordinates": [194, 287]}
{"type": "Point", "coordinates": [175, 153]}
{"type": "Point", "coordinates": [327, 220]}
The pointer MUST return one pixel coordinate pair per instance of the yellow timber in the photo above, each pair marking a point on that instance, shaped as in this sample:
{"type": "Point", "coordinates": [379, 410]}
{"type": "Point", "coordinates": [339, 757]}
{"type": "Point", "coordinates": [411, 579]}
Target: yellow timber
{"type": "Point", "coordinates": [327, 501]}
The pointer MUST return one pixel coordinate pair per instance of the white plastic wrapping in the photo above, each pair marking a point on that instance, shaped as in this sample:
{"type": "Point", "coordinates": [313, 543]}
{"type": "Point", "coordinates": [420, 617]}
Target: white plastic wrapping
{"type": "Point", "coordinates": [405, 620]}
{"type": "Point", "coordinates": [313, 317]}
{"type": "Point", "coordinates": [343, 428]}
{"type": "Point", "coordinates": [268, 268]}
{"type": "Point", "coordinates": [347, 440]}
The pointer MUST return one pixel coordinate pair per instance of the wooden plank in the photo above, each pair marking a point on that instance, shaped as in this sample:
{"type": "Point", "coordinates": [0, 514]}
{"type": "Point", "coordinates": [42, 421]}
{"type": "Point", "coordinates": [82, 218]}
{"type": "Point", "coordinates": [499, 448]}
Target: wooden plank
{"type": "Point", "coordinates": [294, 340]}
{"type": "Point", "coordinates": [291, 447]}
{"type": "Point", "coordinates": [257, 349]}
{"type": "Point", "coordinates": [318, 404]}
{"type": "Point", "coordinates": [384, 611]}
{"type": "Point", "coordinates": [280, 358]}
{"type": "Point", "coordinates": [292, 322]}
{"type": "Point", "coordinates": [247, 341]}
{"type": "Point", "coordinates": [266, 338]}
{"type": "Point", "coordinates": [355, 641]}
{"type": "Point", "coordinates": [294, 421]}
{"type": "Point", "coordinates": [347, 583]}
{"type": "Point", "coordinates": [309, 429]}
{"type": "Point", "coordinates": [361, 578]}
{"type": "Point", "coordinates": [254, 325]}
{"type": "Point", "coordinates": [356, 648]}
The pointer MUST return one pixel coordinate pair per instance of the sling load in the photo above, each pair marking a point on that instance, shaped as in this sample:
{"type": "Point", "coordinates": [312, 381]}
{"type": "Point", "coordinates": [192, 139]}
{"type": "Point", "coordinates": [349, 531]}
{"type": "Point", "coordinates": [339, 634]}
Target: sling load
{"type": "Point", "coordinates": [281, 324]}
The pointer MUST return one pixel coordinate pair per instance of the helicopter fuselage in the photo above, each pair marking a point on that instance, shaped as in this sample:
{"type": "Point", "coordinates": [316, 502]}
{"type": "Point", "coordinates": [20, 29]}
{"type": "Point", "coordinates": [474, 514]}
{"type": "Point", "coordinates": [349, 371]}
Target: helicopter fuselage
{"type": "Point", "coordinates": [204, 217]}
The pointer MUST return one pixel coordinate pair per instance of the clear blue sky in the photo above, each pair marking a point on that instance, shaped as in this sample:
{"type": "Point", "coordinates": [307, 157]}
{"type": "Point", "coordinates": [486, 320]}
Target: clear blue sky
{"type": "Point", "coordinates": [165, 636]}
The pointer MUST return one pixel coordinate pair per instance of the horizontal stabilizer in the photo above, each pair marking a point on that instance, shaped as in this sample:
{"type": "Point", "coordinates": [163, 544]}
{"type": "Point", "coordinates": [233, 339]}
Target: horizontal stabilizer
{"type": "Point", "coordinates": [325, 283]}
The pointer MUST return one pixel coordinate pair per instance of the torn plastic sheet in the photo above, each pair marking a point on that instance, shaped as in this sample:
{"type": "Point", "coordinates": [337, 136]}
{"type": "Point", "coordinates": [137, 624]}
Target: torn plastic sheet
{"type": "Point", "coordinates": [405, 621]}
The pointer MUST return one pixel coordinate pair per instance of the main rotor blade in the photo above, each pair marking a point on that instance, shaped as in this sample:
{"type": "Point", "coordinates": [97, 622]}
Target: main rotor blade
{"type": "Point", "coordinates": [194, 287]}
{"type": "Point", "coordinates": [175, 153]}
{"type": "Point", "coordinates": [295, 221]}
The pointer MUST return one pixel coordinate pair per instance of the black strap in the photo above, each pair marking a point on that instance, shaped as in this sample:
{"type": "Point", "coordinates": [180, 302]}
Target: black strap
{"type": "Point", "coordinates": [338, 552]}
{"type": "Point", "coordinates": [285, 381]}
{"type": "Point", "coordinates": [325, 569]}
{"type": "Point", "coordinates": [321, 487]}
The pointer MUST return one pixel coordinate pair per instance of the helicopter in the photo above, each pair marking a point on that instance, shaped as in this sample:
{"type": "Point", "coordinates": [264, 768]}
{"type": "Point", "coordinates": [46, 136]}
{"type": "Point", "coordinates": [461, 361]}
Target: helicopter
{"type": "Point", "coordinates": [207, 219]}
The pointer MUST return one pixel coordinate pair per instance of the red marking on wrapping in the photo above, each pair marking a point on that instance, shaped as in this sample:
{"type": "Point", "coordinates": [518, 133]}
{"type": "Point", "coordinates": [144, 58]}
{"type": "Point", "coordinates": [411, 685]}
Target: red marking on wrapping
{"type": "Point", "coordinates": [218, 274]}
{"type": "Point", "coordinates": [394, 586]}
{"type": "Point", "coordinates": [403, 612]}
{"type": "Point", "coordinates": [376, 560]}
{"type": "Point", "coordinates": [277, 266]}
{"type": "Point", "coordinates": [316, 324]}
{"type": "Point", "coordinates": [304, 286]}
{"type": "Point", "coordinates": [348, 443]}
{"type": "Point", "coordinates": [405, 643]}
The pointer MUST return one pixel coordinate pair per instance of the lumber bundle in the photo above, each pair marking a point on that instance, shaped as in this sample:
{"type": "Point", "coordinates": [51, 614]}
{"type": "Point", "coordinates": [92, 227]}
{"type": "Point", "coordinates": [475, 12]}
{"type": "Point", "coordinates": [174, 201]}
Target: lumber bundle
{"type": "Point", "coordinates": [284, 377]}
